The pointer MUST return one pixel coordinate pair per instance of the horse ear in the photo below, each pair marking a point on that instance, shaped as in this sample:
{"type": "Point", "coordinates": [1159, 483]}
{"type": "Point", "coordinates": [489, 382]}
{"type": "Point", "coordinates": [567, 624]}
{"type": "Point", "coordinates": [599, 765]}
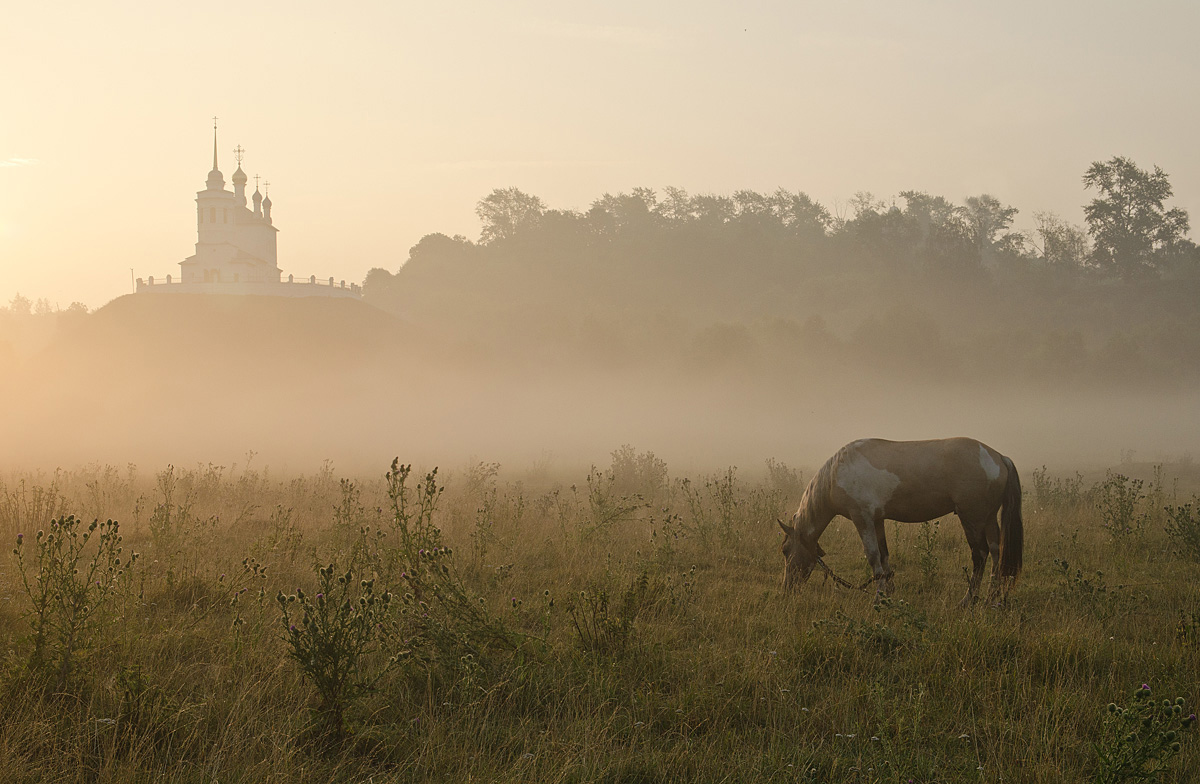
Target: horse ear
{"type": "Point", "coordinates": [787, 529]}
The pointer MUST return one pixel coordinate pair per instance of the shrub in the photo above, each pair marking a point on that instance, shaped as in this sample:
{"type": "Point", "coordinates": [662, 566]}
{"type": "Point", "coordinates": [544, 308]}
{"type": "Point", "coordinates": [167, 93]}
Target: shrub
{"type": "Point", "coordinates": [927, 550]}
{"type": "Point", "coordinates": [1183, 526]}
{"type": "Point", "coordinates": [1119, 500]}
{"type": "Point", "coordinates": [1058, 494]}
{"type": "Point", "coordinates": [413, 522]}
{"type": "Point", "coordinates": [68, 579]}
{"type": "Point", "coordinates": [605, 629]}
{"type": "Point", "coordinates": [1140, 740]}
{"type": "Point", "coordinates": [336, 630]}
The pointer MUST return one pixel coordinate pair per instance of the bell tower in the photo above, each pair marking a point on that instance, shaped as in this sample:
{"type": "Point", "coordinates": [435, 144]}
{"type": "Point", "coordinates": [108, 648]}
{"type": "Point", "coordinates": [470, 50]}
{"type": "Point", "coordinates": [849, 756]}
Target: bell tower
{"type": "Point", "coordinates": [215, 225]}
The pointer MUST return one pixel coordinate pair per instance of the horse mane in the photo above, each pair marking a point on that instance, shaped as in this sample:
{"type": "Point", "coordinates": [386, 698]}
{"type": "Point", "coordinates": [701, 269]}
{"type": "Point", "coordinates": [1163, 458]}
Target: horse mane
{"type": "Point", "coordinates": [816, 495]}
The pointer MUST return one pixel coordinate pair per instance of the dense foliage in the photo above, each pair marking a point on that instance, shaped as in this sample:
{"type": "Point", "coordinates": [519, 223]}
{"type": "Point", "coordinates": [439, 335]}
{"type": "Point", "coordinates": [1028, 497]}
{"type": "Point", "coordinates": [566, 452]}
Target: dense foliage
{"type": "Point", "coordinates": [920, 283]}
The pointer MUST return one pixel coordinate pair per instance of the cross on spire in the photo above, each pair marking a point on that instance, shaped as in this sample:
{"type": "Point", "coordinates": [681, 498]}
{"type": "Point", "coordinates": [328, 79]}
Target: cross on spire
{"type": "Point", "coordinates": [267, 186]}
{"type": "Point", "coordinates": [238, 154]}
{"type": "Point", "coordinates": [214, 142]}
{"type": "Point", "coordinates": [256, 182]}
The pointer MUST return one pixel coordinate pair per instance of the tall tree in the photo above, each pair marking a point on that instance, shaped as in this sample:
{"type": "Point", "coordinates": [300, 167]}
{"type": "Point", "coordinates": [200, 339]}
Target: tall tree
{"type": "Point", "coordinates": [1131, 229]}
{"type": "Point", "coordinates": [987, 221]}
{"type": "Point", "coordinates": [1064, 246]}
{"type": "Point", "coordinates": [506, 211]}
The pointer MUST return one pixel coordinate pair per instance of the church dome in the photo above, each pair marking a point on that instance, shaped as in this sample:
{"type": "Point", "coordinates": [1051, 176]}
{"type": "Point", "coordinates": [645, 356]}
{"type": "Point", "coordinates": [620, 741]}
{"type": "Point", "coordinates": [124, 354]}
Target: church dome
{"type": "Point", "coordinates": [239, 177]}
{"type": "Point", "coordinates": [216, 181]}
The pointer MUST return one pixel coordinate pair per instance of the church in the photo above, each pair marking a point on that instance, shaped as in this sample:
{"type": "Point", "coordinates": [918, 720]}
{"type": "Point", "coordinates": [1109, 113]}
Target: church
{"type": "Point", "coordinates": [236, 246]}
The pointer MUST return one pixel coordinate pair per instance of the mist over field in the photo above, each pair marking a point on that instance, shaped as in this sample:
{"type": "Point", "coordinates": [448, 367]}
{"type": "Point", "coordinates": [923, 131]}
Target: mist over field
{"type": "Point", "coordinates": [471, 392]}
{"type": "Point", "coordinates": [710, 330]}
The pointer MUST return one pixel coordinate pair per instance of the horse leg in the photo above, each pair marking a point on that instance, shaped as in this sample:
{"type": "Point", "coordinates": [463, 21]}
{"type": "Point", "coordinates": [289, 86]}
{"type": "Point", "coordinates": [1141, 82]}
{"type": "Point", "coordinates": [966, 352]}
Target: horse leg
{"type": "Point", "coordinates": [979, 556]}
{"type": "Point", "coordinates": [881, 538]}
{"type": "Point", "coordinates": [867, 526]}
{"type": "Point", "coordinates": [991, 531]}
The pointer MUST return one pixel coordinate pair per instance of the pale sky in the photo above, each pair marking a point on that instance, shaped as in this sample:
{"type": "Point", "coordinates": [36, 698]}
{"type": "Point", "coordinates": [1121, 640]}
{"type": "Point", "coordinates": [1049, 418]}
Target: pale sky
{"type": "Point", "coordinates": [379, 122]}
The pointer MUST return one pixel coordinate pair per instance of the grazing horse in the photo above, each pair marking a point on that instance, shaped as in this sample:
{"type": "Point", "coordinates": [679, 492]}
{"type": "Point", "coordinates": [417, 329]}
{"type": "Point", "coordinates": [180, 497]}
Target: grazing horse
{"type": "Point", "coordinates": [872, 480]}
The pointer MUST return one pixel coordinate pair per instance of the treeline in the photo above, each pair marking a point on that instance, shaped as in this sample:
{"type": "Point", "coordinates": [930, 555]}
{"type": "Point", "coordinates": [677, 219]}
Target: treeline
{"type": "Point", "coordinates": [673, 274]}
{"type": "Point", "coordinates": [26, 326]}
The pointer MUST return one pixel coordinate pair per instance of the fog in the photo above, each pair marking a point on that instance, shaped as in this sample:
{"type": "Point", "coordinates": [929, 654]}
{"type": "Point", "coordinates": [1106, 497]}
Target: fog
{"type": "Point", "coordinates": [508, 357]}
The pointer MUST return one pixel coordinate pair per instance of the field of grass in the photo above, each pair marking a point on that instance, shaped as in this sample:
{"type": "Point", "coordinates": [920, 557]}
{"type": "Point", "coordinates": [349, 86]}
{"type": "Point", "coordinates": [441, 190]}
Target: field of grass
{"type": "Point", "coordinates": [627, 627]}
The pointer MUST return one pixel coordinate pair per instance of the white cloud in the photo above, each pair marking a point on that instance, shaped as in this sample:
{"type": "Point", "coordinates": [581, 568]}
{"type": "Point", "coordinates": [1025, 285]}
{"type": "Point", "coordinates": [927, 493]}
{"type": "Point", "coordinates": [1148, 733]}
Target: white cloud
{"type": "Point", "coordinates": [10, 162]}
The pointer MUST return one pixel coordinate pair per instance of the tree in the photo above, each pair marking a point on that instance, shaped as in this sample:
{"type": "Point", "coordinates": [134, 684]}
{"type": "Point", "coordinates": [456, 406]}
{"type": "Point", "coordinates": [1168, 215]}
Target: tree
{"type": "Point", "coordinates": [625, 212]}
{"type": "Point", "coordinates": [1064, 246]}
{"type": "Point", "coordinates": [985, 219]}
{"type": "Point", "coordinates": [945, 243]}
{"type": "Point", "coordinates": [506, 211]}
{"type": "Point", "coordinates": [1131, 230]}
{"type": "Point", "coordinates": [20, 305]}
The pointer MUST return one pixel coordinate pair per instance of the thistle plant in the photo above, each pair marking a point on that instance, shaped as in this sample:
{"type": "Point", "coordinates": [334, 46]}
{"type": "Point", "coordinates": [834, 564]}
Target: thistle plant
{"type": "Point", "coordinates": [1142, 739]}
{"type": "Point", "coordinates": [604, 627]}
{"type": "Point", "coordinates": [330, 634]}
{"type": "Point", "coordinates": [412, 518]}
{"type": "Point", "coordinates": [68, 577]}
{"type": "Point", "coordinates": [1183, 526]}
{"type": "Point", "coordinates": [927, 550]}
{"type": "Point", "coordinates": [1119, 499]}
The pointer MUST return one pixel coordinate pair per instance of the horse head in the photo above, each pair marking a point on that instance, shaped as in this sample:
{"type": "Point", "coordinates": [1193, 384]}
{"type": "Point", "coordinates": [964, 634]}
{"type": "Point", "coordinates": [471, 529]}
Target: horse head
{"type": "Point", "coordinates": [799, 556]}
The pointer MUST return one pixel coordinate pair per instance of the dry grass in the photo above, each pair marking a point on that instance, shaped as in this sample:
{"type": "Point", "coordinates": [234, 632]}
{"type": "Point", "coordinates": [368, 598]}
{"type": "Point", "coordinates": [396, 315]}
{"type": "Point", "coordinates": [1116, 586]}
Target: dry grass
{"type": "Point", "coordinates": [721, 676]}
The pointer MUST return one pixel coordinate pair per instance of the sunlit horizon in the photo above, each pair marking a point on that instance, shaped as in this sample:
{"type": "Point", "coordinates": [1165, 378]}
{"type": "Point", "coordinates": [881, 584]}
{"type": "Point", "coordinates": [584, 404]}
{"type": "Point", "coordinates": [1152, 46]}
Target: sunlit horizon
{"type": "Point", "coordinates": [391, 122]}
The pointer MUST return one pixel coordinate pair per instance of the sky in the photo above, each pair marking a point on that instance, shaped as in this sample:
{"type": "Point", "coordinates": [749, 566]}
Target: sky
{"type": "Point", "coordinates": [377, 123]}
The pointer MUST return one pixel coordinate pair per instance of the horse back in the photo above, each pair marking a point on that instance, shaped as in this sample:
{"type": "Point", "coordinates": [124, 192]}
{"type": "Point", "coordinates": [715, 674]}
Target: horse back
{"type": "Point", "coordinates": [913, 481]}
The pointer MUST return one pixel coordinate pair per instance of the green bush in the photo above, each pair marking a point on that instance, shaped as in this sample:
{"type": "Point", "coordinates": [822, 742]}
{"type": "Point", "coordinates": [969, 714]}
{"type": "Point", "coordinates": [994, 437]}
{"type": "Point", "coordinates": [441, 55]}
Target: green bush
{"type": "Point", "coordinates": [1183, 526]}
{"type": "Point", "coordinates": [332, 636]}
{"type": "Point", "coordinates": [1140, 740]}
{"type": "Point", "coordinates": [68, 578]}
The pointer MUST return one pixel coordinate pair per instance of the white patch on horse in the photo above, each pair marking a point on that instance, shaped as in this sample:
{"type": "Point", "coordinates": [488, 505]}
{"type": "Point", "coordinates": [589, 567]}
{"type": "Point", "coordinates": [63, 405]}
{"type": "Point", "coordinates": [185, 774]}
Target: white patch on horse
{"type": "Point", "coordinates": [870, 487]}
{"type": "Point", "coordinates": [989, 465]}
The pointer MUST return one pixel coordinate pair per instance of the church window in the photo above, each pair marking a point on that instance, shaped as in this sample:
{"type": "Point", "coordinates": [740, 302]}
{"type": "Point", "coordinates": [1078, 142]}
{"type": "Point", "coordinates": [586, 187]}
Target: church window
{"type": "Point", "coordinates": [225, 215]}
{"type": "Point", "coordinates": [212, 214]}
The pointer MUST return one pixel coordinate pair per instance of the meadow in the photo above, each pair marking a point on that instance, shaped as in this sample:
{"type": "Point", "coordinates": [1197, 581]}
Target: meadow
{"type": "Point", "coordinates": [622, 624]}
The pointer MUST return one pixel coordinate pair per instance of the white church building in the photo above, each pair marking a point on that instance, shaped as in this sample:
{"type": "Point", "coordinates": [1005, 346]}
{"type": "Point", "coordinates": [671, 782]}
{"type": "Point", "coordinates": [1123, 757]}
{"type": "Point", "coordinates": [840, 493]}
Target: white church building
{"type": "Point", "coordinates": [235, 247]}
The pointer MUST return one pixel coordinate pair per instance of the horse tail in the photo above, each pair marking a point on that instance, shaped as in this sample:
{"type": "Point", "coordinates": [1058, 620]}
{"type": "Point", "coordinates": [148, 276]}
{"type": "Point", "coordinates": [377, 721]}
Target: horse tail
{"type": "Point", "coordinates": [1012, 532]}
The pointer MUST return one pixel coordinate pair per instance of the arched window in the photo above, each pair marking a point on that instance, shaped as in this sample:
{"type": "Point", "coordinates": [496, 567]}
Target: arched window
{"type": "Point", "coordinates": [212, 214]}
{"type": "Point", "coordinates": [225, 215]}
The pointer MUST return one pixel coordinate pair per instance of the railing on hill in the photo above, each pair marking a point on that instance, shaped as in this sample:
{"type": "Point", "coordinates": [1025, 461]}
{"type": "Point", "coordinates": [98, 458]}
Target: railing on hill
{"type": "Point", "coordinates": [291, 287]}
